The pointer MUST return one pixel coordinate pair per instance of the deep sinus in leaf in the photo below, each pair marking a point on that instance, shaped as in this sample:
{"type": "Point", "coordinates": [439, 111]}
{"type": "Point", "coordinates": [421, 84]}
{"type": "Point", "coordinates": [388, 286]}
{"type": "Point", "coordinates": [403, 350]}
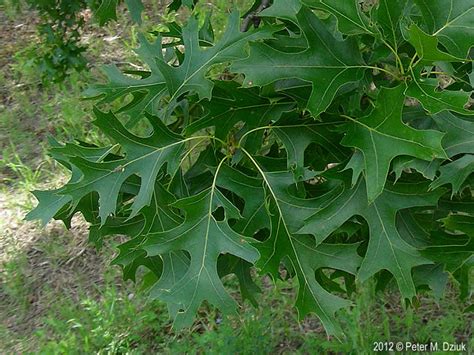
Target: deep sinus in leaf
{"type": "Point", "coordinates": [245, 163]}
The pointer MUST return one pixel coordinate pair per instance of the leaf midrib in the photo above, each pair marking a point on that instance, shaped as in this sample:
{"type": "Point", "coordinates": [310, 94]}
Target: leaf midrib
{"type": "Point", "coordinates": [290, 239]}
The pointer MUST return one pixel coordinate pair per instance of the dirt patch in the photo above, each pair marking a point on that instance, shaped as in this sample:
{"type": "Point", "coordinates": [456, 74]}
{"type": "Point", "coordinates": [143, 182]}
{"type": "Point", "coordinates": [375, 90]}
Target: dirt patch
{"type": "Point", "coordinates": [38, 265]}
{"type": "Point", "coordinates": [23, 27]}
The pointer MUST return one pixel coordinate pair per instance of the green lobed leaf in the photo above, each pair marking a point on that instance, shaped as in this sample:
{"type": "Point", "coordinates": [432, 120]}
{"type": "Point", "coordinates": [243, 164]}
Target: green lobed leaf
{"type": "Point", "coordinates": [452, 22]}
{"type": "Point", "coordinates": [145, 157]}
{"type": "Point", "coordinates": [254, 214]}
{"type": "Point", "coordinates": [459, 133]}
{"type": "Point", "coordinates": [455, 173]}
{"type": "Point", "coordinates": [204, 238]}
{"type": "Point", "coordinates": [387, 250]}
{"type": "Point", "coordinates": [327, 63]}
{"type": "Point", "coordinates": [51, 202]}
{"type": "Point", "coordinates": [306, 257]}
{"type": "Point", "coordinates": [165, 80]}
{"type": "Point", "coordinates": [375, 136]}
{"type": "Point", "coordinates": [404, 163]}
{"type": "Point", "coordinates": [231, 105]}
{"type": "Point", "coordinates": [350, 18]}
{"type": "Point", "coordinates": [190, 75]}
{"type": "Point", "coordinates": [147, 92]}
{"type": "Point", "coordinates": [427, 47]}
{"type": "Point", "coordinates": [296, 139]}
{"type": "Point", "coordinates": [452, 251]}
{"type": "Point", "coordinates": [389, 16]}
{"type": "Point", "coordinates": [434, 100]}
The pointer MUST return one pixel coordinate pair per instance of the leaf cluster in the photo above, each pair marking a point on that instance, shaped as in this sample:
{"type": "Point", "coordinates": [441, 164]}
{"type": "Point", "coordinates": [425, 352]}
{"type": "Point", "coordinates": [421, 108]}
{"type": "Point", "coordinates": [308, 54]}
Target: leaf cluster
{"type": "Point", "coordinates": [331, 144]}
{"type": "Point", "coordinates": [62, 23]}
{"type": "Point", "coordinates": [59, 29]}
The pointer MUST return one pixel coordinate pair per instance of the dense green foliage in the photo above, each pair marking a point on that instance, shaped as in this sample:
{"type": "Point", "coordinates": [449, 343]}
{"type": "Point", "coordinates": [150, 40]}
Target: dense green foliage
{"type": "Point", "coordinates": [60, 28]}
{"type": "Point", "coordinates": [331, 144]}
{"type": "Point", "coordinates": [61, 25]}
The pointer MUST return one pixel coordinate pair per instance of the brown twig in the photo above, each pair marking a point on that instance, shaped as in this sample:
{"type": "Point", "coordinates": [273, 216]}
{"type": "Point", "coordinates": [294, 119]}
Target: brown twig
{"type": "Point", "coordinates": [252, 17]}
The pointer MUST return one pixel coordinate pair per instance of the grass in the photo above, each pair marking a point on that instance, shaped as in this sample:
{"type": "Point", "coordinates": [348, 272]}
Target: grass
{"type": "Point", "coordinates": [92, 310]}
{"type": "Point", "coordinates": [60, 296]}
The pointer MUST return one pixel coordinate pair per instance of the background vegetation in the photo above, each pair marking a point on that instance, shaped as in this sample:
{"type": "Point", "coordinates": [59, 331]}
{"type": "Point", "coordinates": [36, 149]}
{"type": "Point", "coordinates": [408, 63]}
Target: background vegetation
{"type": "Point", "coordinates": [58, 294]}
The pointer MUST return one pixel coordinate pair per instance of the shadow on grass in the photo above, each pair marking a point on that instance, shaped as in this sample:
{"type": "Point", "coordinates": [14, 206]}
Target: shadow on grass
{"type": "Point", "coordinates": [59, 295]}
